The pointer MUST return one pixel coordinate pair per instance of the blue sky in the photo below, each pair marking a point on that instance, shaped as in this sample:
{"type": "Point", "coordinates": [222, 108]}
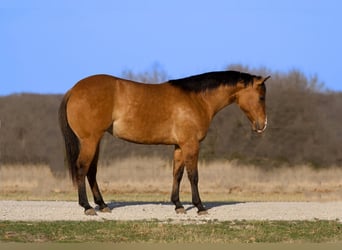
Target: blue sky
{"type": "Point", "coordinates": [47, 46]}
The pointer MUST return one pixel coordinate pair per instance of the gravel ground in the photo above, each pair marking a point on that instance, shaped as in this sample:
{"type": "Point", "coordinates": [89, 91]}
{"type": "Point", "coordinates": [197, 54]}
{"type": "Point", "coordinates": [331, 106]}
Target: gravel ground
{"type": "Point", "coordinates": [70, 211]}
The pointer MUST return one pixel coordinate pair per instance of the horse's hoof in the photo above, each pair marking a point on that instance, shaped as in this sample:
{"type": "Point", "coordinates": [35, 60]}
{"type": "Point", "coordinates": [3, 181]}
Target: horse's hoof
{"type": "Point", "coordinates": [180, 210]}
{"type": "Point", "coordinates": [203, 212]}
{"type": "Point", "coordinates": [90, 211]}
{"type": "Point", "coordinates": [105, 210]}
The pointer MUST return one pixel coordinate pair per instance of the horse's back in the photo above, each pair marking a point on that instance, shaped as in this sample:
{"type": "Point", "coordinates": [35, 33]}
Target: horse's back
{"type": "Point", "coordinates": [94, 84]}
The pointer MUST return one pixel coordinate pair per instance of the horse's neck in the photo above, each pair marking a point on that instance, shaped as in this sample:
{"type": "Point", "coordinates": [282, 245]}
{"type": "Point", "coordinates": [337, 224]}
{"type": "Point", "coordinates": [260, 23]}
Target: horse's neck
{"type": "Point", "coordinates": [219, 98]}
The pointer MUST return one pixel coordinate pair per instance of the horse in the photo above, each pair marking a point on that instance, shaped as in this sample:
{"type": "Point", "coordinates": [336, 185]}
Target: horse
{"type": "Point", "coordinates": [177, 112]}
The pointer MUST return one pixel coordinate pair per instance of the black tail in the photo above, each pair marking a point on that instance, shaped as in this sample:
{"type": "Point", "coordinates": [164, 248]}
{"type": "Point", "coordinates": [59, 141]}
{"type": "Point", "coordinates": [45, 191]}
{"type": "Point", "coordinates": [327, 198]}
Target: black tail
{"type": "Point", "coordinates": [72, 148]}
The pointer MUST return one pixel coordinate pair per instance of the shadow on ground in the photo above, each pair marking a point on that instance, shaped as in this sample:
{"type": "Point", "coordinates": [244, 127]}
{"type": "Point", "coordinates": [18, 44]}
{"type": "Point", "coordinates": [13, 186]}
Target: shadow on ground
{"type": "Point", "coordinates": [188, 206]}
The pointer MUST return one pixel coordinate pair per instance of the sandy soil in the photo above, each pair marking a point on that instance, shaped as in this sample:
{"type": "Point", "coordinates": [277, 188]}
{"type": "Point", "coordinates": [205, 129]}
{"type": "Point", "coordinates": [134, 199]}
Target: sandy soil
{"type": "Point", "coordinates": [70, 211]}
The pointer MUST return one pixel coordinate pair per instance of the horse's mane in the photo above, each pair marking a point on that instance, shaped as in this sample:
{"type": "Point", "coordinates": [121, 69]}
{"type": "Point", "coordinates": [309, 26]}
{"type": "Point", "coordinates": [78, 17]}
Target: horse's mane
{"type": "Point", "coordinates": [212, 80]}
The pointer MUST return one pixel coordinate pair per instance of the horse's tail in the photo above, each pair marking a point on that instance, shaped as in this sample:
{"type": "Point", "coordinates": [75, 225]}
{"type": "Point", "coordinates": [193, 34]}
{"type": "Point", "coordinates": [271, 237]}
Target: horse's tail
{"type": "Point", "coordinates": [72, 146]}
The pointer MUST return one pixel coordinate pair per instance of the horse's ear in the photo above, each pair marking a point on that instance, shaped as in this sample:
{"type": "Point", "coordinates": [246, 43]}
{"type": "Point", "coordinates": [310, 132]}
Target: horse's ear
{"type": "Point", "coordinates": [266, 78]}
{"type": "Point", "coordinates": [263, 80]}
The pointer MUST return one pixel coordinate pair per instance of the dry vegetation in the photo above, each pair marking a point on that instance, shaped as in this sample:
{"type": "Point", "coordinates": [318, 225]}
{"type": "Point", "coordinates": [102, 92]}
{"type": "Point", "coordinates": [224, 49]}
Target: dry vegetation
{"type": "Point", "coordinates": [139, 178]}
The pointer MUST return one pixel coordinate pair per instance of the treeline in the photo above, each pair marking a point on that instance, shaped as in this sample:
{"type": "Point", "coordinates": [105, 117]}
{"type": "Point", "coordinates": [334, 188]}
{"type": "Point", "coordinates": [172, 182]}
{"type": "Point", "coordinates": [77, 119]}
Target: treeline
{"type": "Point", "coordinates": [304, 128]}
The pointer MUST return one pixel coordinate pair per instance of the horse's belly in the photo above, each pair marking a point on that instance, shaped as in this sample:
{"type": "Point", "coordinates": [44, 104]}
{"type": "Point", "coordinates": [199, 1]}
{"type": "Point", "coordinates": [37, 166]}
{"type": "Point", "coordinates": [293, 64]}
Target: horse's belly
{"type": "Point", "coordinates": [143, 133]}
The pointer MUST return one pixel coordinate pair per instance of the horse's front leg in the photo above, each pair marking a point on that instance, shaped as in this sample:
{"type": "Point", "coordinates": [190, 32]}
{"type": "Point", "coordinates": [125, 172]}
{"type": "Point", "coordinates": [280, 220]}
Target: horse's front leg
{"type": "Point", "coordinates": [178, 169]}
{"type": "Point", "coordinates": [190, 153]}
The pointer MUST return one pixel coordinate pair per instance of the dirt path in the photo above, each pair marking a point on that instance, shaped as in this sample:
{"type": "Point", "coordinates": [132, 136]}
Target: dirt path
{"type": "Point", "coordinates": [59, 210]}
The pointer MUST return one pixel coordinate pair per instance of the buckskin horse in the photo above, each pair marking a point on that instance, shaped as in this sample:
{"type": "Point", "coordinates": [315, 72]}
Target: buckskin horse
{"type": "Point", "coordinates": [177, 112]}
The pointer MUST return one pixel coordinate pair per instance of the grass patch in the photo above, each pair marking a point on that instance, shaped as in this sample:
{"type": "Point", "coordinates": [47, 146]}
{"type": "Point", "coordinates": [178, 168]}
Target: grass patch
{"type": "Point", "coordinates": [162, 232]}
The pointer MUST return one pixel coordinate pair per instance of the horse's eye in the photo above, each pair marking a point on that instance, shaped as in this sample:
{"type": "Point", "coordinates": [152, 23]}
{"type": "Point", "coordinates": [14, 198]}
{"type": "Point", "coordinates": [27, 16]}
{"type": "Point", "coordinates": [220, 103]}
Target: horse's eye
{"type": "Point", "coordinates": [262, 98]}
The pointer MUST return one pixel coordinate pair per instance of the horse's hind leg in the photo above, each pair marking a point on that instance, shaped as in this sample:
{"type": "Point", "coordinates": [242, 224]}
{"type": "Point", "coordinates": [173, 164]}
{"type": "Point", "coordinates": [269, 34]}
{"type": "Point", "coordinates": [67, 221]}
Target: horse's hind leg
{"type": "Point", "coordinates": [85, 158]}
{"type": "Point", "coordinates": [178, 169]}
{"type": "Point", "coordinates": [93, 183]}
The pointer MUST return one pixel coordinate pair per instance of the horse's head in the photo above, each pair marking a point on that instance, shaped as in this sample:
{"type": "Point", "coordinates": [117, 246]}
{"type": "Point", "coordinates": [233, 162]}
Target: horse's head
{"type": "Point", "coordinates": [251, 99]}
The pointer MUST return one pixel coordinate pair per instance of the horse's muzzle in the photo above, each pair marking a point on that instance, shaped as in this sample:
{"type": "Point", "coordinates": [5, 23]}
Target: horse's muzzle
{"type": "Point", "coordinates": [260, 127]}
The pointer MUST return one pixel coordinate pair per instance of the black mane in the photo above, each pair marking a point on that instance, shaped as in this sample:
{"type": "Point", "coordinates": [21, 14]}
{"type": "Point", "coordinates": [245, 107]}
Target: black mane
{"type": "Point", "coordinates": [212, 80]}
